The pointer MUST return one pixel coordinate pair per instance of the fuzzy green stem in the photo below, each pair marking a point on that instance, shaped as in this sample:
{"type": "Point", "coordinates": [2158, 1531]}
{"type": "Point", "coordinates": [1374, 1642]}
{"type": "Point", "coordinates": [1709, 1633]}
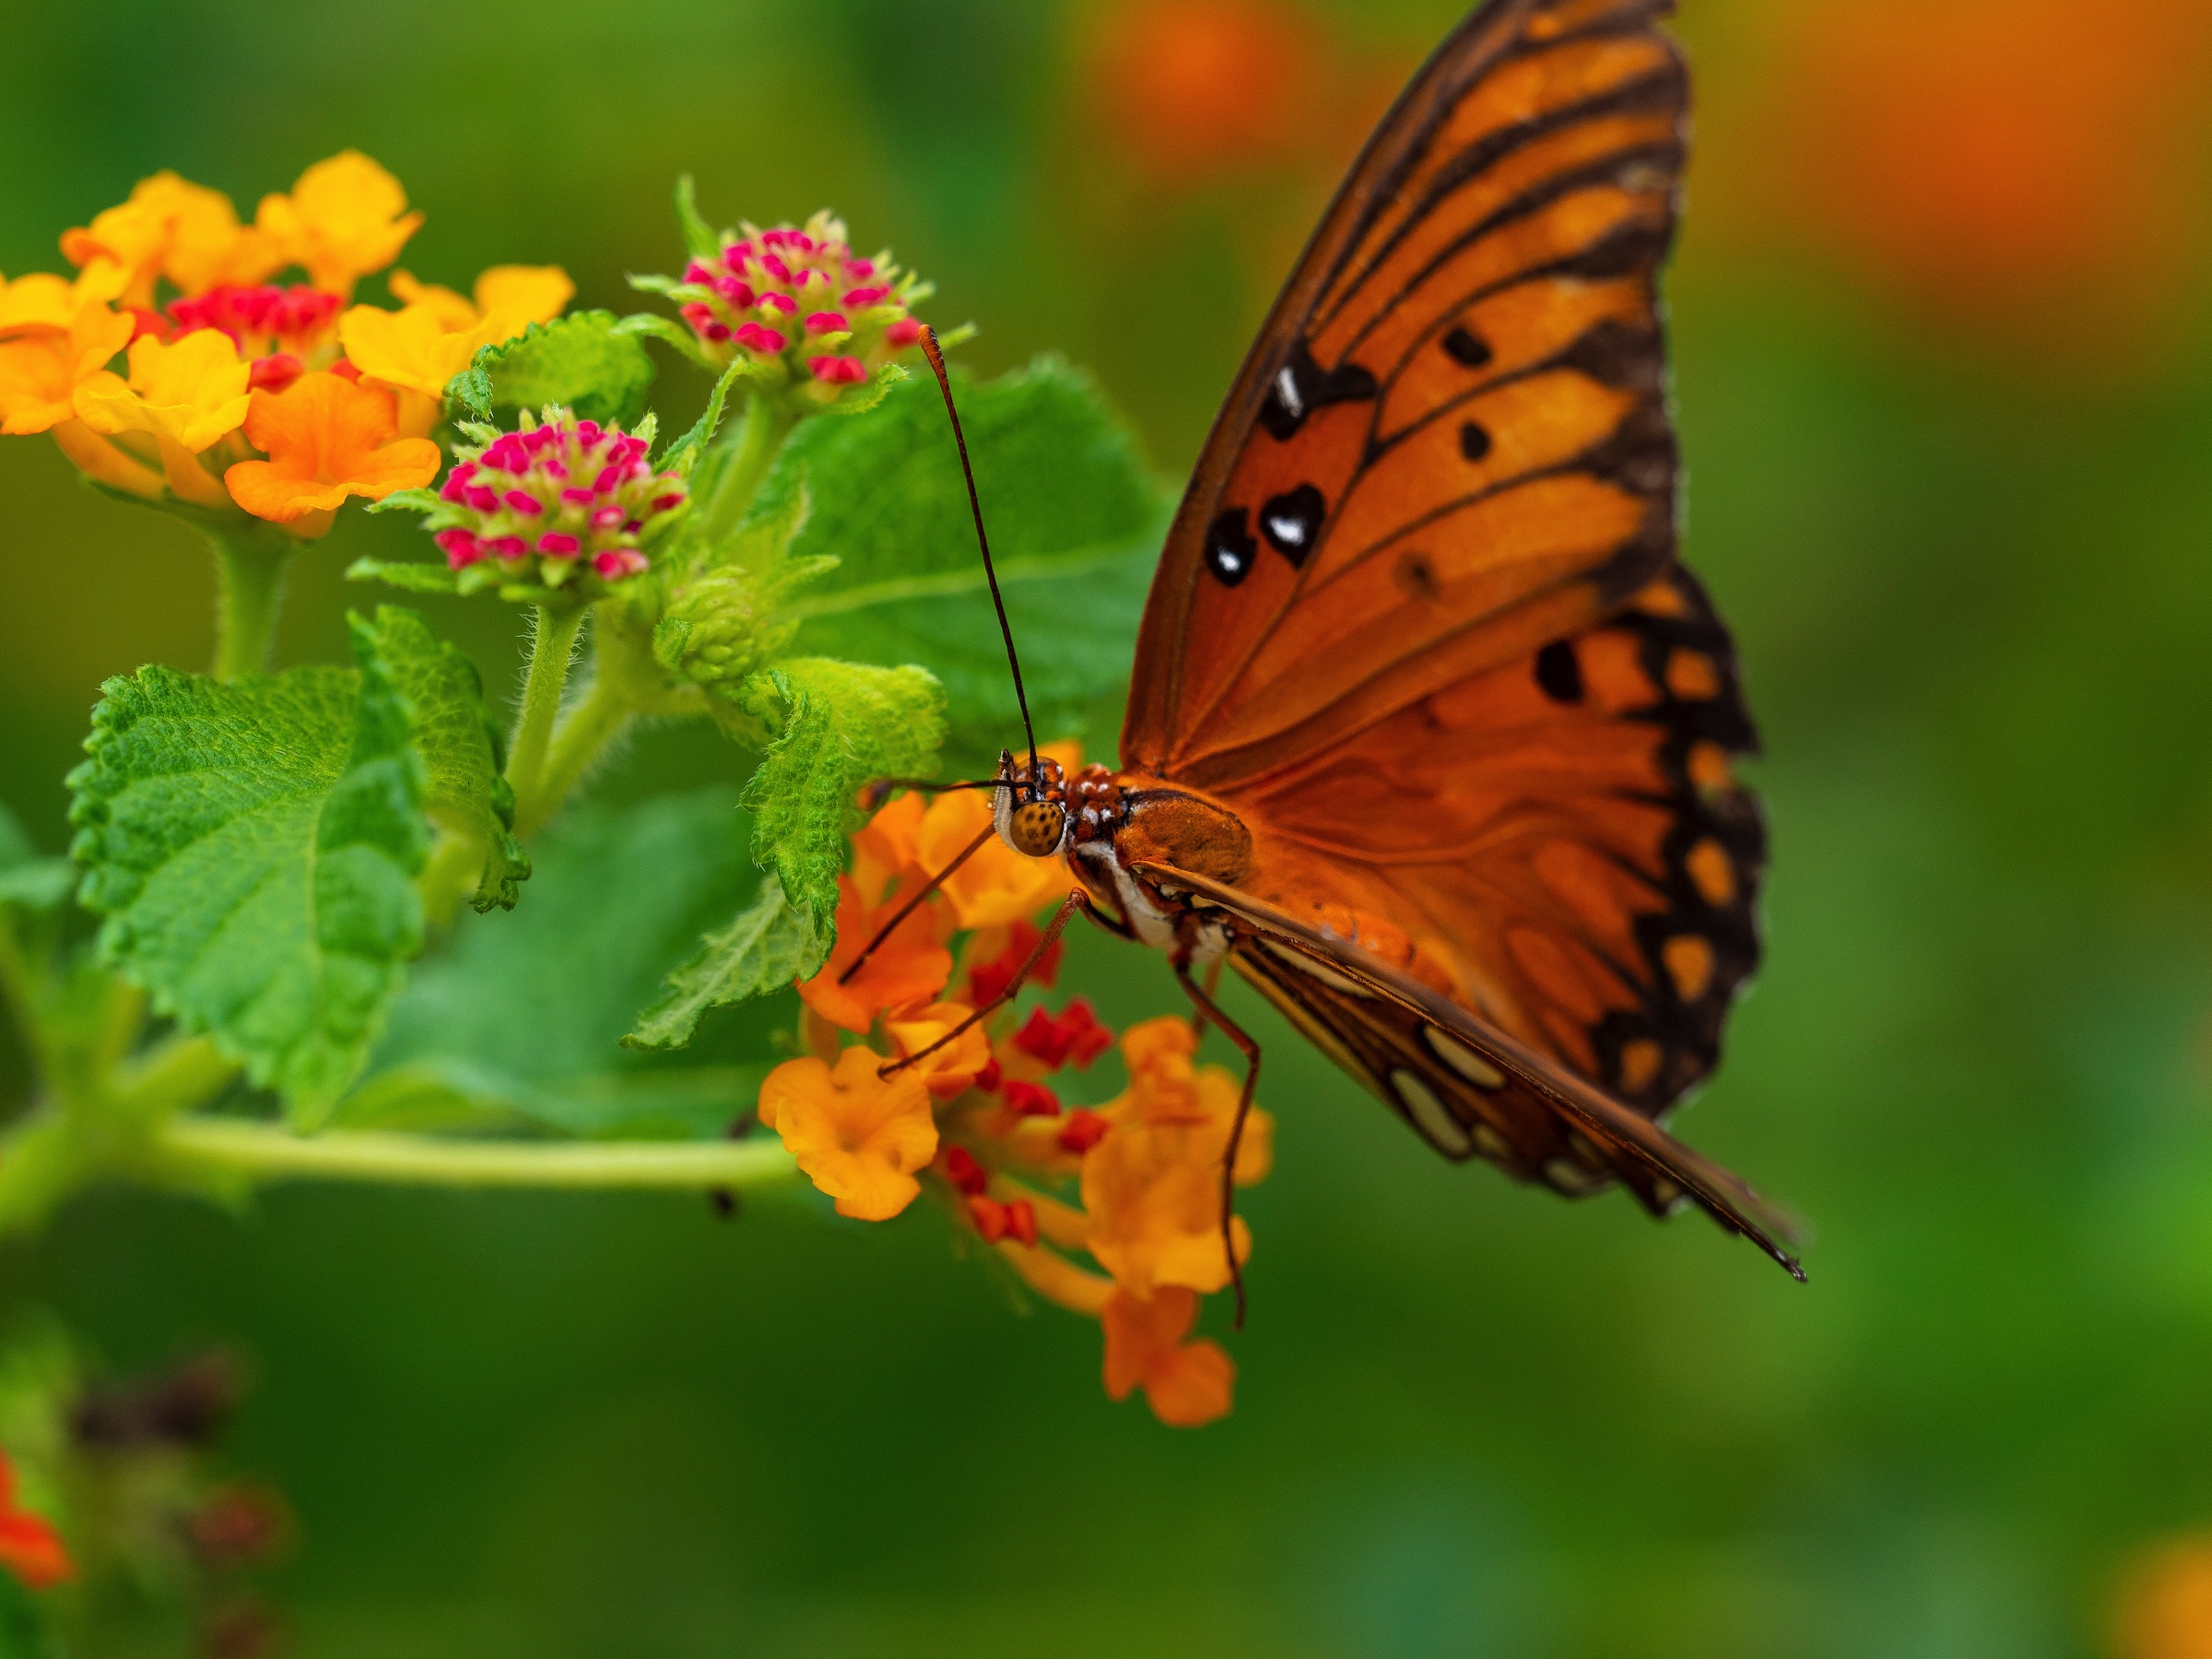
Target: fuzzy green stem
{"type": "Point", "coordinates": [550, 649]}
{"type": "Point", "coordinates": [767, 423]}
{"type": "Point", "coordinates": [266, 1152]}
{"type": "Point", "coordinates": [591, 725]}
{"type": "Point", "coordinates": [175, 1076]}
{"type": "Point", "coordinates": [249, 588]}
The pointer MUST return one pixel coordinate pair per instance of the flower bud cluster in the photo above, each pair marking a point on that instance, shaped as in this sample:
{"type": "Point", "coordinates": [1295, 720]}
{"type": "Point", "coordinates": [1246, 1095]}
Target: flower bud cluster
{"type": "Point", "coordinates": [800, 297]}
{"type": "Point", "coordinates": [553, 499]}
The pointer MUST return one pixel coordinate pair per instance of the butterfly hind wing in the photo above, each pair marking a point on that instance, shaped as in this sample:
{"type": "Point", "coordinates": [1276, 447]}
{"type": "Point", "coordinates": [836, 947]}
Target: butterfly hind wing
{"type": "Point", "coordinates": [1466, 1087]}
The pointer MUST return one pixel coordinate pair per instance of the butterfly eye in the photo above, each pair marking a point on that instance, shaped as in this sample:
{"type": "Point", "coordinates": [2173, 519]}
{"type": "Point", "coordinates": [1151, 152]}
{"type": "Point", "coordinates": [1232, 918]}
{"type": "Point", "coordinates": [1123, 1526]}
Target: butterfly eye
{"type": "Point", "coordinates": [1037, 827]}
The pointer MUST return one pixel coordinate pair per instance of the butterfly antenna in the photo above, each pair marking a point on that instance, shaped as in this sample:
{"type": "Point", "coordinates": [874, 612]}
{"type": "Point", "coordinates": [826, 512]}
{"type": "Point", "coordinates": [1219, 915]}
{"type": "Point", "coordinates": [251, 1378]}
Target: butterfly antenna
{"type": "Point", "coordinates": [935, 354]}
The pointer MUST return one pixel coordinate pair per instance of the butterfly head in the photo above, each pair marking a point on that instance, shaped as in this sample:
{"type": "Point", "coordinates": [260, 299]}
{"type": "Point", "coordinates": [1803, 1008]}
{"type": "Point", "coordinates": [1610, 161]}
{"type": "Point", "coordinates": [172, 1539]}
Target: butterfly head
{"type": "Point", "coordinates": [1032, 811]}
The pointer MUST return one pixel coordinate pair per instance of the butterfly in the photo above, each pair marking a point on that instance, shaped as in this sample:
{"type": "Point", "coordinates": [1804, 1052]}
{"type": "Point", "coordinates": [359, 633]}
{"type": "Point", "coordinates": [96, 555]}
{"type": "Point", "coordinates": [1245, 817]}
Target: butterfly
{"type": "Point", "coordinates": [1431, 736]}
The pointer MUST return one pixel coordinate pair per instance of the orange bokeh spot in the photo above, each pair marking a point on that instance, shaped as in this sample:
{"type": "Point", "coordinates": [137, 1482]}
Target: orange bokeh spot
{"type": "Point", "coordinates": [1193, 88]}
{"type": "Point", "coordinates": [1990, 157]}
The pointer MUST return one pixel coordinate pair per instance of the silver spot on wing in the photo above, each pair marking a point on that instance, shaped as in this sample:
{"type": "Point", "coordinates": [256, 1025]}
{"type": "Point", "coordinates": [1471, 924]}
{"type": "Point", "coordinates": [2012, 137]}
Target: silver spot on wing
{"type": "Point", "coordinates": [1571, 1177]}
{"type": "Point", "coordinates": [1462, 1059]}
{"type": "Point", "coordinates": [1317, 969]}
{"type": "Point", "coordinates": [1430, 1114]}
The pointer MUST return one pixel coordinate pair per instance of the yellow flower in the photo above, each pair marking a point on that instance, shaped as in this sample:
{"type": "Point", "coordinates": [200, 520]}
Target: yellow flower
{"type": "Point", "coordinates": [1153, 1185]}
{"type": "Point", "coordinates": [998, 885]}
{"type": "Point", "coordinates": [190, 393]}
{"type": "Point", "coordinates": [345, 217]}
{"type": "Point", "coordinates": [858, 1137]}
{"type": "Point", "coordinates": [41, 299]}
{"type": "Point", "coordinates": [524, 294]}
{"type": "Point", "coordinates": [417, 350]}
{"type": "Point", "coordinates": [326, 439]}
{"type": "Point", "coordinates": [171, 227]}
{"type": "Point", "coordinates": [1186, 1383]}
{"type": "Point", "coordinates": [42, 367]}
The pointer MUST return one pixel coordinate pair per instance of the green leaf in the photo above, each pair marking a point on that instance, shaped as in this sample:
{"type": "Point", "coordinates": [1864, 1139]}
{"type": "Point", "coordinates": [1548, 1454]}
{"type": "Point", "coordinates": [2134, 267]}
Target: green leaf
{"type": "Point", "coordinates": [771, 944]}
{"type": "Point", "coordinates": [519, 1017]}
{"type": "Point", "coordinates": [1076, 527]}
{"type": "Point", "coordinates": [700, 239]}
{"type": "Point", "coordinates": [648, 325]}
{"type": "Point", "coordinates": [684, 454]}
{"type": "Point", "coordinates": [843, 725]}
{"type": "Point", "coordinates": [413, 575]}
{"type": "Point", "coordinates": [460, 742]}
{"type": "Point", "coordinates": [252, 847]}
{"type": "Point", "coordinates": [584, 361]}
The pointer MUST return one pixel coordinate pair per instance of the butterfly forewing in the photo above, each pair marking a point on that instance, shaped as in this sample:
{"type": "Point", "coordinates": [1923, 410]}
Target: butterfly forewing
{"type": "Point", "coordinates": [1450, 445]}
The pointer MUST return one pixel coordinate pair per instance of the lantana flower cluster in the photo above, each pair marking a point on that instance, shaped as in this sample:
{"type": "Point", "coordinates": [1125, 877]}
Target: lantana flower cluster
{"type": "Point", "coordinates": [172, 367]}
{"type": "Point", "coordinates": [799, 305]}
{"type": "Point", "coordinates": [1112, 1211]}
{"type": "Point", "coordinates": [560, 504]}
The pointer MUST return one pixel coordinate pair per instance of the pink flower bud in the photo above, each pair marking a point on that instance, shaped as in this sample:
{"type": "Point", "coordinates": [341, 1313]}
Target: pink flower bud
{"type": "Point", "coordinates": [662, 503]}
{"type": "Point", "coordinates": [753, 338]}
{"type": "Point", "coordinates": [860, 267]}
{"type": "Point", "coordinates": [904, 332]}
{"type": "Point", "coordinates": [274, 372]}
{"type": "Point", "coordinates": [773, 265]}
{"type": "Point", "coordinates": [506, 547]}
{"type": "Point", "coordinates": [588, 433]}
{"type": "Point", "coordinates": [737, 253]}
{"type": "Point", "coordinates": [782, 304]}
{"type": "Point", "coordinates": [717, 332]}
{"type": "Point", "coordinates": [737, 290]}
{"type": "Point", "coordinates": [618, 562]}
{"type": "Point", "coordinates": [578, 497]}
{"type": "Point", "coordinates": [866, 296]}
{"type": "Point", "coordinates": [827, 322]}
{"type": "Point", "coordinates": [482, 498]}
{"type": "Point", "coordinates": [608, 518]}
{"type": "Point", "coordinates": [608, 478]}
{"type": "Point", "coordinates": [699, 314]}
{"type": "Point", "coordinates": [524, 503]}
{"type": "Point", "coordinates": [460, 546]}
{"type": "Point", "coordinates": [554, 545]}
{"type": "Point", "coordinates": [699, 271]}
{"type": "Point", "coordinates": [838, 371]}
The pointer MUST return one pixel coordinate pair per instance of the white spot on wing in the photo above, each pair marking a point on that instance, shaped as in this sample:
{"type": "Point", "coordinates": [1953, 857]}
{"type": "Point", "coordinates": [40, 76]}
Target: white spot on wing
{"type": "Point", "coordinates": [1571, 1177]}
{"type": "Point", "coordinates": [1288, 530]}
{"type": "Point", "coordinates": [1463, 1059]}
{"type": "Point", "coordinates": [1429, 1113]}
{"type": "Point", "coordinates": [1286, 388]}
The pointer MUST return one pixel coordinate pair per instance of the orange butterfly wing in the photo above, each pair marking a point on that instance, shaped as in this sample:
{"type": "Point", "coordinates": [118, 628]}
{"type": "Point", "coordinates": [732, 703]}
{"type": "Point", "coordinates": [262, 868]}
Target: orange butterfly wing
{"type": "Point", "coordinates": [1418, 619]}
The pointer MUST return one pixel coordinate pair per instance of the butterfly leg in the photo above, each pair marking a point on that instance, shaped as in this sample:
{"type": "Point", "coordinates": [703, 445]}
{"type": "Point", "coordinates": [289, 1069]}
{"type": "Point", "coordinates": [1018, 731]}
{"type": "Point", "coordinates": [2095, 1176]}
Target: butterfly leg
{"type": "Point", "coordinates": [1213, 984]}
{"type": "Point", "coordinates": [1247, 1045]}
{"type": "Point", "coordinates": [1078, 899]}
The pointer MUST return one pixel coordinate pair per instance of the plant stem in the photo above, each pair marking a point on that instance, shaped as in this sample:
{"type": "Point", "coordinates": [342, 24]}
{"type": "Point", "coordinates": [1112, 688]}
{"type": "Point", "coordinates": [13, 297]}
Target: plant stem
{"type": "Point", "coordinates": [591, 726]}
{"type": "Point", "coordinates": [767, 424]}
{"type": "Point", "coordinates": [265, 1152]}
{"type": "Point", "coordinates": [549, 653]}
{"type": "Point", "coordinates": [249, 587]}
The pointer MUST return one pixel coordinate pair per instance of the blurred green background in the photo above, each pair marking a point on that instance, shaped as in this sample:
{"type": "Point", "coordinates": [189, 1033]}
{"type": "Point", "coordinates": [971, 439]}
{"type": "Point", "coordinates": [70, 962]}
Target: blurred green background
{"type": "Point", "coordinates": [1942, 365]}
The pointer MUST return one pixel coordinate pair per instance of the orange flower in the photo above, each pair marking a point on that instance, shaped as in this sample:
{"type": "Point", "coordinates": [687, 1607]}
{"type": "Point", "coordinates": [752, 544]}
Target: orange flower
{"type": "Point", "coordinates": [1153, 1184]}
{"type": "Point", "coordinates": [1997, 161]}
{"type": "Point", "coordinates": [1193, 88]}
{"type": "Point", "coordinates": [953, 1068]}
{"type": "Point", "coordinates": [910, 967]}
{"type": "Point", "coordinates": [326, 439]}
{"type": "Point", "coordinates": [171, 227]}
{"type": "Point", "coordinates": [345, 217]}
{"type": "Point", "coordinates": [42, 367]}
{"type": "Point", "coordinates": [1186, 1383]}
{"type": "Point", "coordinates": [523, 294]}
{"type": "Point", "coordinates": [859, 1136]}
{"type": "Point", "coordinates": [38, 299]}
{"type": "Point", "coordinates": [883, 848]}
{"type": "Point", "coordinates": [2166, 1610]}
{"type": "Point", "coordinates": [29, 1547]}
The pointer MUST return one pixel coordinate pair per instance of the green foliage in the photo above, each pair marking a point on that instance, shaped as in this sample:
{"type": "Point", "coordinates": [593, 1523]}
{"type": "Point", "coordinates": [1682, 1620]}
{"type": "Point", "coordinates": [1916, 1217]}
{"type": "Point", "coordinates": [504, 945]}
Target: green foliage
{"type": "Point", "coordinates": [460, 748]}
{"type": "Point", "coordinates": [700, 239]}
{"type": "Point", "coordinates": [1075, 523]}
{"type": "Point", "coordinates": [771, 944]}
{"type": "Point", "coordinates": [843, 725]}
{"type": "Point", "coordinates": [252, 847]}
{"type": "Point", "coordinates": [503, 1026]}
{"type": "Point", "coordinates": [28, 882]}
{"type": "Point", "coordinates": [584, 361]}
